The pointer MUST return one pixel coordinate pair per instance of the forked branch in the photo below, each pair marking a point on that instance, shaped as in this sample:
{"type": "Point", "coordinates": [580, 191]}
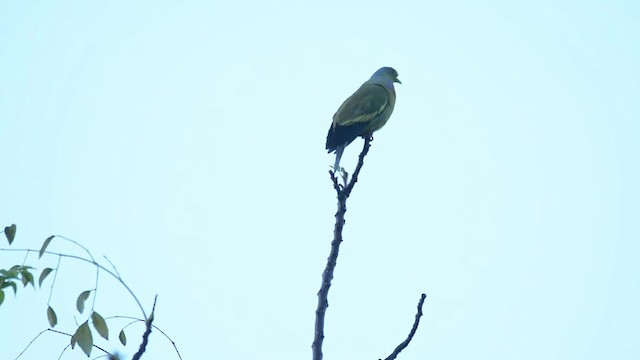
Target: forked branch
{"type": "Point", "coordinates": [343, 191]}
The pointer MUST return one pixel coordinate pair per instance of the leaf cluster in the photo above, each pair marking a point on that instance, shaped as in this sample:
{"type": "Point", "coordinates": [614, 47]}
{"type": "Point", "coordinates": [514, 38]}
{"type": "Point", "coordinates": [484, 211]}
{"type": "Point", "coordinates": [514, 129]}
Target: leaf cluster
{"type": "Point", "coordinates": [83, 335]}
{"type": "Point", "coordinates": [10, 278]}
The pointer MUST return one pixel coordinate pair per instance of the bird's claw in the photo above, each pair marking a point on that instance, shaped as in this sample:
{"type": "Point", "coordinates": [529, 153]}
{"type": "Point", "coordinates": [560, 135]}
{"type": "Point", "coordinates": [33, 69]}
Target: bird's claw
{"type": "Point", "coordinates": [340, 170]}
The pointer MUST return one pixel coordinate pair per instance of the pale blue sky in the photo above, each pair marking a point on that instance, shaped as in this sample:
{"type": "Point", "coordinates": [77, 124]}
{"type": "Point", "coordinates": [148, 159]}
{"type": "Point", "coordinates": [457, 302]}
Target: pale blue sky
{"type": "Point", "coordinates": [185, 141]}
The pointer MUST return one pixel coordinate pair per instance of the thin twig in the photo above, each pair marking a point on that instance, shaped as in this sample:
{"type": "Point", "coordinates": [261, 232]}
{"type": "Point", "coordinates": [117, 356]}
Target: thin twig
{"type": "Point", "coordinates": [405, 343]}
{"type": "Point", "coordinates": [76, 243]}
{"type": "Point", "coordinates": [95, 294]}
{"type": "Point", "coordinates": [95, 291]}
{"type": "Point", "coordinates": [113, 266]}
{"type": "Point", "coordinates": [55, 276]}
{"type": "Point", "coordinates": [69, 335]}
{"type": "Point", "coordinates": [57, 332]}
{"type": "Point", "coordinates": [63, 350]}
{"type": "Point", "coordinates": [24, 261]}
{"type": "Point", "coordinates": [29, 344]}
{"type": "Point", "coordinates": [144, 314]}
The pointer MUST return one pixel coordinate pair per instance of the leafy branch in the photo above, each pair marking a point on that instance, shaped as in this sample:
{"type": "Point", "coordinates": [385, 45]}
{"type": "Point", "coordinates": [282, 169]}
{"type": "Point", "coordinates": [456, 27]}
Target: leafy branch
{"type": "Point", "coordinates": [82, 336]}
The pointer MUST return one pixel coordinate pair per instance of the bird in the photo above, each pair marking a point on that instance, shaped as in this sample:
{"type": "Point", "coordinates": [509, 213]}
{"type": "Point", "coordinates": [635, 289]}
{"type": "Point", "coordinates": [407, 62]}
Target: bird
{"type": "Point", "coordinates": [364, 112]}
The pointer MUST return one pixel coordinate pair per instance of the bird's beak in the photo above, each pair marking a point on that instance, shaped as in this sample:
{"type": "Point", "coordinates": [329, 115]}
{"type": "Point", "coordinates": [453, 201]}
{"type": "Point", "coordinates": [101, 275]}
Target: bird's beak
{"type": "Point", "coordinates": [398, 81]}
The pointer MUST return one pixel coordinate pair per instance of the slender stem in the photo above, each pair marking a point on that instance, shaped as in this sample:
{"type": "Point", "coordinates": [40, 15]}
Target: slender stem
{"type": "Point", "coordinates": [63, 350]}
{"type": "Point", "coordinates": [29, 344]}
{"type": "Point", "coordinates": [95, 292]}
{"type": "Point", "coordinates": [113, 266]}
{"type": "Point", "coordinates": [95, 289]}
{"type": "Point", "coordinates": [78, 244]}
{"type": "Point", "coordinates": [57, 332]}
{"type": "Point", "coordinates": [55, 276]}
{"type": "Point", "coordinates": [94, 263]}
{"type": "Point", "coordinates": [24, 261]}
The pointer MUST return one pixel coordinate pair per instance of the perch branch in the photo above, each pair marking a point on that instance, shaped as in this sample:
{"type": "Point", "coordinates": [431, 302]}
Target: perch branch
{"type": "Point", "coordinates": [354, 177]}
{"type": "Point", "coordinates": [342, 194]}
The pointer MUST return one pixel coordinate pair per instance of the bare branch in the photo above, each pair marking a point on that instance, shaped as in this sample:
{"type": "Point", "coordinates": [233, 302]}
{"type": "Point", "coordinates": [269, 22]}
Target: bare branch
{"type": "Point", "coordinates": [145, 336]}
{"type": "Point", "coordinates": [405, 343]}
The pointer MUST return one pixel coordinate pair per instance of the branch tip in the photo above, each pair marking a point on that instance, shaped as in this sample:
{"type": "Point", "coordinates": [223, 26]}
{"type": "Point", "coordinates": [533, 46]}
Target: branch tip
{"type": "Point", "coordinates": [414, 328]}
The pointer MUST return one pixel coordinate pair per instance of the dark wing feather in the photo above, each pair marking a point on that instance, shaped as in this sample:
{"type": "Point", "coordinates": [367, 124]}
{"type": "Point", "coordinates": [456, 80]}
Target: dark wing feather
{"type": "Point", "coordinates": [356, 114]}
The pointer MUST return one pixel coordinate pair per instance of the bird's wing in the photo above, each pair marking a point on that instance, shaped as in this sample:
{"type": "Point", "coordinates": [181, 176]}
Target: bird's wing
{"type": "Point", "coordinates": [363, 106]}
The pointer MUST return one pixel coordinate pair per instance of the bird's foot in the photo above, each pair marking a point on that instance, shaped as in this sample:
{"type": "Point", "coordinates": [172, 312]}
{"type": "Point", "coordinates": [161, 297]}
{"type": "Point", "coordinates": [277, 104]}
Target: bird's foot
{"type": "Point", "coordinates": [338, 170]}
{"type": "Point", "coordinates": [341, 173]}
{"type": "Point", "coordinates": [345, 176]}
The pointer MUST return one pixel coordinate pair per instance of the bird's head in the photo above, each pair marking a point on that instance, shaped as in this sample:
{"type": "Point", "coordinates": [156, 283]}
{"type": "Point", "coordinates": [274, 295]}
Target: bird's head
{"type": "Point", "coordinates": [387, 73]}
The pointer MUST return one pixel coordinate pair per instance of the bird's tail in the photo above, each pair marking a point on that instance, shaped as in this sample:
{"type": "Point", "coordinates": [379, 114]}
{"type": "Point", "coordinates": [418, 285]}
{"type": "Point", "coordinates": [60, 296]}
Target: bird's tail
{"type": "Point", "coordinates": [331, 139]}
{"type": "Point", "coordinates": [339, 151]}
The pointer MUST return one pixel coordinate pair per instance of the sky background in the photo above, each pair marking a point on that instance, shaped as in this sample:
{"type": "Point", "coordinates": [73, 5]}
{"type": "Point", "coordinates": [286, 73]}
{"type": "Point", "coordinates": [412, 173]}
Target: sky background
{"type": "Point", "coordinates": [185, 141]}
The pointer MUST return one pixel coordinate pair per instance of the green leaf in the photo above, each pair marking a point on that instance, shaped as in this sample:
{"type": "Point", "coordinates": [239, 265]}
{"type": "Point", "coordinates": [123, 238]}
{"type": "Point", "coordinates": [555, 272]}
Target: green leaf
{"type": "Point", "coordinates": [10, 232]}
{"type": "Point", "coordinates": [27, 278]}
{"type": "Point", "coordinates": [43, 275]}
{"type": "Point", "coordinates": [100, 325]}
{"type": "Point", "coordinates": [13, 272]}
{"type": "Point", "coordinates": [84, 338]}
{"type": "Point", "coordinates": [73, 341]}
{"type": "Point", "coordinates": [81, 299]}
{"type": "Point", "coordinates": [51, 316]}
{"type": "Point", "coordinates": [44, 245]}
{"type": "Point", "coordinates": [123, 338]}
{"type": "Point", "coordinates": [12, 284]}
{"type": "Point", "coordinates": [1, 296]}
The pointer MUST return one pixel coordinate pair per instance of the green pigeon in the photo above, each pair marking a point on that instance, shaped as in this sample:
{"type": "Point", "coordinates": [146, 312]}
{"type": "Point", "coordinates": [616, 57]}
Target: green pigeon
{"type": "Point", "coordinates": [364, 112]}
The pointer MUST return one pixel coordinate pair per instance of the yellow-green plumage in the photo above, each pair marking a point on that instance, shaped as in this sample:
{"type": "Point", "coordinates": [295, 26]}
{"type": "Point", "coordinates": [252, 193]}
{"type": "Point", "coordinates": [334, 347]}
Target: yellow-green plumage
{"type": "Point", "coordinates": [364, 112]}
